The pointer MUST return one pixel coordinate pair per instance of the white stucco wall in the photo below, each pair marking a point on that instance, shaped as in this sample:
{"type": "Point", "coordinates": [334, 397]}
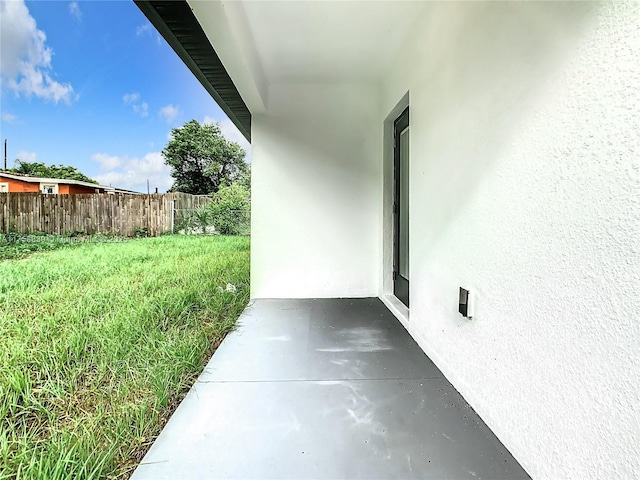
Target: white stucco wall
{"type": "Point", "coordinates": [317, 183]}
{"type": "Point", "coordinates": [525, 188]}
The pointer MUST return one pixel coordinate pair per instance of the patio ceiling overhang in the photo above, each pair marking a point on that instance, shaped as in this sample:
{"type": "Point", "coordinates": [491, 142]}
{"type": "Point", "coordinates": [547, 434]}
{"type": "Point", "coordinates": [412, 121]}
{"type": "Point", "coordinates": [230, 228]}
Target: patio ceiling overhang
{"type": "Point", "coordinates": [176, 22]}
{"type": "Point", "coordinates": [238, 49]}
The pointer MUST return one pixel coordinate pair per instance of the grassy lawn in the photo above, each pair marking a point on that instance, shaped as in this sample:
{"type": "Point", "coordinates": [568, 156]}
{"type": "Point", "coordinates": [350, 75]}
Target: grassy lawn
{"type": "Point", "coordinates": [14, 246]}
{"type": "Point", "coordinates": [99, 342]}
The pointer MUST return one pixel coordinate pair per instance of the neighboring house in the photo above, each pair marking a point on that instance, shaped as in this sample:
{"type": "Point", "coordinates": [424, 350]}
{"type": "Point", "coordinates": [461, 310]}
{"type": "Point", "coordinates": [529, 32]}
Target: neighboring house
{"type": "Point", "coordinates": [406, 149]}
{"type": "Point", "coordinates": [16, 183]}
{"type": "Point", "coordinates": [125, 191]}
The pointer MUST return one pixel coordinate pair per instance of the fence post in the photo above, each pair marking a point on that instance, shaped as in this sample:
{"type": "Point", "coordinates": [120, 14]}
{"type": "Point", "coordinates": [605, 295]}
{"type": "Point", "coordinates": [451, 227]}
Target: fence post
{"type": "Point", "coordinates": [8, 213]}
{"type": "Point", "coordinates": [173, 215]}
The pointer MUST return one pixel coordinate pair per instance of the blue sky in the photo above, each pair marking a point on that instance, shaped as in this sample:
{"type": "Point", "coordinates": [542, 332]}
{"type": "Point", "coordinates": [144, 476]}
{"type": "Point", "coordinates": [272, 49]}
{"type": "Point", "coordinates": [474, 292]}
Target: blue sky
{"type": "Point", "coordinates": [91, 84]}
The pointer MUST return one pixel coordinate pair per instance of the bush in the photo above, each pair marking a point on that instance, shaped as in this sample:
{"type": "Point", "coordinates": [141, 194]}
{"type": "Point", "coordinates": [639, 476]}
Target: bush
{"type": "Point", "coordinates": [230, 209]}
{"type": "Point", "coordinates": [201, 218]}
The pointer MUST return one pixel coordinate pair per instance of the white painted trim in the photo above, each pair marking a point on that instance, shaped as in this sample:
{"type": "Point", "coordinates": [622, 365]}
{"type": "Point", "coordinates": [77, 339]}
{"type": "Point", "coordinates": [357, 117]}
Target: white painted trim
{"type": "Point", "coordinates": [398, 308]}
{"type": "Point", "coordinates": [43, 185]}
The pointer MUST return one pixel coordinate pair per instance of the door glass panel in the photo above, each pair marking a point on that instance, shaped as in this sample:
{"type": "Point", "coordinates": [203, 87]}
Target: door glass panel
{"type": "Point", "coordinates": [403, 253]}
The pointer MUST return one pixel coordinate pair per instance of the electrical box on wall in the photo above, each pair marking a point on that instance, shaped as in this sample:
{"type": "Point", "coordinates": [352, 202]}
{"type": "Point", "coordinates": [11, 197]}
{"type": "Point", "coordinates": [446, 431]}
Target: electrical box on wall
{"type": "Point", "coordinates": [465, 303]}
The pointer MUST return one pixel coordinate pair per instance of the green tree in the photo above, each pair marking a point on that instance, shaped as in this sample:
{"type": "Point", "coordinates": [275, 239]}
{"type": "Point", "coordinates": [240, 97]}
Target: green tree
{"type": "Point", "coordinates": [38, 169]}
{"type": "Point", "coordinates": [229, 211]}
{"type": "Point", "coordinates": [244, 178]}
{"type": "Point", "coordinates": [202, 160]}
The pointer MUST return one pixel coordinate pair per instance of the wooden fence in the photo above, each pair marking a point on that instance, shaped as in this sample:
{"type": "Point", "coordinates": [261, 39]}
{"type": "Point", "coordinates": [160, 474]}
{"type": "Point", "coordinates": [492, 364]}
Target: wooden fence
{"type": "Point", "coordinates": [120, 214]}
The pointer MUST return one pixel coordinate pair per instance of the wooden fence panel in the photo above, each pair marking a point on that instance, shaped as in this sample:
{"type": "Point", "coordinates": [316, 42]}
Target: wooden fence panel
{"type": "Point", "coordinates": [120, 214]}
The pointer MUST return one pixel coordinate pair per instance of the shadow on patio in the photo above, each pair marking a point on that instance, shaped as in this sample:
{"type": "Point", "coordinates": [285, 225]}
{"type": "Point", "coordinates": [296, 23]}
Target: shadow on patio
{"type": "Point", "coordinates": [324, 389]}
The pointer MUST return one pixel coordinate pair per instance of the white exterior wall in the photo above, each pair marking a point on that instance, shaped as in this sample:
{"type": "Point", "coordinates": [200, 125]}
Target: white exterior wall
{"type": "Point", "coordinates": [316, 192]}
{"type": "Point", "coordinates": [525, 188]}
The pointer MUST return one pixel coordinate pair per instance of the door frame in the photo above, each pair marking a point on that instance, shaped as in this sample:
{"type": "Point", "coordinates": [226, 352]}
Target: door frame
{"type": "Point", "coordinates": [387, 218]}
{"type": "Point", "coordinates": [400, 283]}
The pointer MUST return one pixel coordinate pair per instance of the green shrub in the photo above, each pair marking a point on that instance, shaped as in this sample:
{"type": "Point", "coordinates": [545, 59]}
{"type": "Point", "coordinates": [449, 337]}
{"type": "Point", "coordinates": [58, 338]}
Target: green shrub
{"type": "Point", "coordinates": [229, 211]}
{"type": "Point", "coordinates": [201, 218]}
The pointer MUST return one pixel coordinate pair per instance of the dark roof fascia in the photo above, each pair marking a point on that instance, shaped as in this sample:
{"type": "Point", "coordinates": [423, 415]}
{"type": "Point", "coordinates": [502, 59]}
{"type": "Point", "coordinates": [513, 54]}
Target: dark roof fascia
{"type": "Point", "coordinates": [176, 22]}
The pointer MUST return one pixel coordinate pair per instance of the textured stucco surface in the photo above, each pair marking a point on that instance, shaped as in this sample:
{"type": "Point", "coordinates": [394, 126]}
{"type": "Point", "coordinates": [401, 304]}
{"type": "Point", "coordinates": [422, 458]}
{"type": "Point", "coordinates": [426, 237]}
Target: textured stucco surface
{"type": "Point", "coordinates": [525, 188]}
{"type": "Point", "coordinates": [316, 187]}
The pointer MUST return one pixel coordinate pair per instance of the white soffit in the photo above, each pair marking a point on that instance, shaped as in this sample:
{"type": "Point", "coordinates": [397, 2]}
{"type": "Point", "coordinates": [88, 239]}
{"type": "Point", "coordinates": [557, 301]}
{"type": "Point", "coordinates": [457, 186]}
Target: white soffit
{"type": "Point", "coordinates": [228, 32]}
{"type": "Point", "coordinates": [318, 41]}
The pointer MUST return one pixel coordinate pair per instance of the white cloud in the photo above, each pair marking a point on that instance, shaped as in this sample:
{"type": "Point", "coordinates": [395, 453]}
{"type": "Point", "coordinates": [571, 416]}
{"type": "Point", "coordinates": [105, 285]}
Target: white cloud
{"type": "Point", "coordinates": [132, 173]}
{"type": "Point", "coordinates": [231, 133]}
{"type": "Point", "coordinates": [74, 11]}
{"type": "Point", "coordinates": [146, 30]}
{"type": "Point", "coordinates": [26, 156]}
{"type": "Point", "coordinates": [25, 62]}
{"type": "Point", "coordinates": [129, 98]}
{"type": "Point", "coordinates": [142, 109]}
{"type": "Point", "coordinates": [142, 30]}
{"type": "Point", "coordinates": [8, 117]}
{"type": "Point", "coordinates": [133, 99]}
{"type": "Point", "coordinates": [169, 113]}
{"type": "Point", "coordinates": [107, 162]}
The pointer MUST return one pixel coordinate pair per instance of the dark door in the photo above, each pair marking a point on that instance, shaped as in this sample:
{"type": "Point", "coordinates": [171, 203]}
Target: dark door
{"type": "Point", "coordinates": [401, 208]}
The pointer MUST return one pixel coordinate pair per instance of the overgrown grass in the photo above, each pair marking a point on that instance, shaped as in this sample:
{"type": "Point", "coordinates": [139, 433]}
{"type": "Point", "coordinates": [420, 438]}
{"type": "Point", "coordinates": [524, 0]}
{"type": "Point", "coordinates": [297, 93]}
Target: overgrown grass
{"type": "Point", "coordinates": [14, 246]}
{"type": "Point", "coordinates": [99, 343]}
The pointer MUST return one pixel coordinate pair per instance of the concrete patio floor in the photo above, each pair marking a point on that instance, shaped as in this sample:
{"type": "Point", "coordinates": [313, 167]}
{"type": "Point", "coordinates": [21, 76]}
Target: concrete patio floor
{"type": "Point", "coordinates": [324, 389]}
